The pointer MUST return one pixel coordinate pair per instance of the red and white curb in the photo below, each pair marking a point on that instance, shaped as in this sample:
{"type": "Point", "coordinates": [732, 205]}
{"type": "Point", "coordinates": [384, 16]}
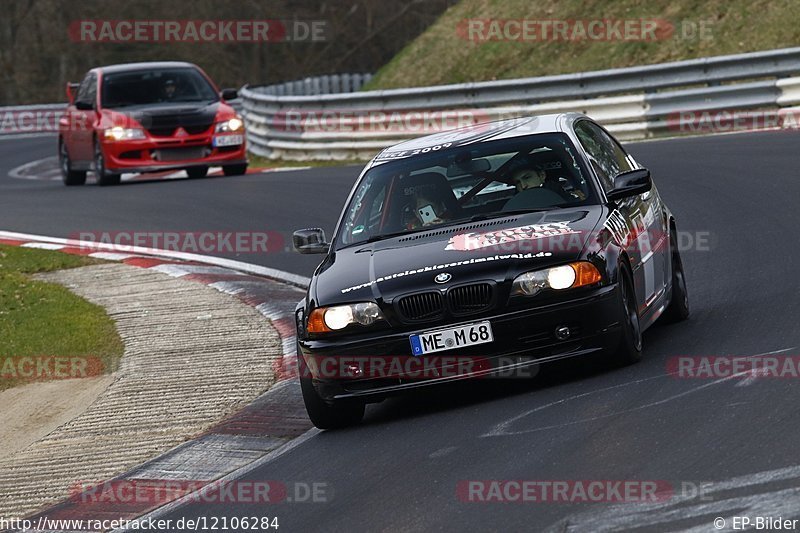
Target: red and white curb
{"type": "Point", "coordinates": [276, 301]}
{"type": "Point", "coordinates": [257, 433]}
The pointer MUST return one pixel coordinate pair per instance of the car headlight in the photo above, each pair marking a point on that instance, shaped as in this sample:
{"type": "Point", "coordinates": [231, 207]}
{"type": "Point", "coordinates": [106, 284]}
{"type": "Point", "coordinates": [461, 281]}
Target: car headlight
{"type": "Point", "coordinates": [118, 133]}
{"type": "Point", "coordinates": [562, 277]}
{"type": "Point", "coordinates": [230, 126]}
{"type": "Point", "coordinates": [325, 319]}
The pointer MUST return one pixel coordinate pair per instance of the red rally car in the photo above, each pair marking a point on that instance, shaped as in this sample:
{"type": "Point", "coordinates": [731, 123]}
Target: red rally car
{"type": "Point", "coordinates": [149, 117]}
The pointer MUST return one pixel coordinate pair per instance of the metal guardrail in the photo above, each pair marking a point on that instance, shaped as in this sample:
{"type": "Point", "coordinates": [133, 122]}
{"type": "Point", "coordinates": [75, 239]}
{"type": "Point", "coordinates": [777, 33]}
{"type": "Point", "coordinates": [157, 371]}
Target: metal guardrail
{"type": "Point", "coordinates": [634, 103]}
{"type": "Point", "coordinates": [329, 118]}
{"type": "Point", "coordinates": [333, 83]}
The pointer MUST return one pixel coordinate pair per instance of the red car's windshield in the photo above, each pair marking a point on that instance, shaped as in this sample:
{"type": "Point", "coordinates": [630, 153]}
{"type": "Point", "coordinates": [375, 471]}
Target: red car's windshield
{"type": "Point", "coordinates": [147, 87]}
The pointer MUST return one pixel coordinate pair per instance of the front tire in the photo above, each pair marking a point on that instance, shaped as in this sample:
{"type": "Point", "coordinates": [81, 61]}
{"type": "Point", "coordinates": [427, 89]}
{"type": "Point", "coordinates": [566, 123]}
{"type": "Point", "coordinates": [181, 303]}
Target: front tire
{"type": "Point", "coordinates": [234, 170]}
{"type": "Point", "coordinates": [629, 350]}
{"type": "Point", "coordinates": [68, 176]}
{"type": "Point", "coordinates": [104, 178]}
{"type": "Point", "coordinates": [326, 415]}
{"type": "Point", "coordinates": [196, 173]}
{"type": "Point", "coordinates": [679, 300]}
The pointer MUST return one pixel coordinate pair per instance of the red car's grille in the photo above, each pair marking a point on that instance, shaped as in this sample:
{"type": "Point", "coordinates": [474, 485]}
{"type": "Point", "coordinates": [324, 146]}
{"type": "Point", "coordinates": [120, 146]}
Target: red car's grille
{"type": "Point", "coordinates": [181, 154]}
{"type": "Point", "coordinates": [169, 131]}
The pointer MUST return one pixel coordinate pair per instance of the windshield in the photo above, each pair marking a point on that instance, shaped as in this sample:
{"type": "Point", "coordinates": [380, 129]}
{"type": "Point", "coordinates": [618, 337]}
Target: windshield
{"type": "Point", "coordinates": [147, 87]}
{"type": "Point", "coordinates": [533, 173]}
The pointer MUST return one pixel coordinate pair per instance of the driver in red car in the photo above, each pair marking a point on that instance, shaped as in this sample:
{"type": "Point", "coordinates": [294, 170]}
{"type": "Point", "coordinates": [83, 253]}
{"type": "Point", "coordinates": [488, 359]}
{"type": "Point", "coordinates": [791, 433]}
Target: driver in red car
{"type": "Point", "coordinates": [170, 89]}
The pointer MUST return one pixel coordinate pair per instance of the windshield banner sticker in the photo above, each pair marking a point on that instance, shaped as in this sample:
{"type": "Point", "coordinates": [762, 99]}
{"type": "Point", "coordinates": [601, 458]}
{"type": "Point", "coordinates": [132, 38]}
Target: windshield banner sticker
{"type": "Point", "coordinates": [422, 270]}
{"type": "Point", "coordinates": [472, 134]}
{"type": "Point", "coordinates": [476, 241]}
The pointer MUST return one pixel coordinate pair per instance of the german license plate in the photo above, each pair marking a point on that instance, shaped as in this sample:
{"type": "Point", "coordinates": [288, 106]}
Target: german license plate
{"type": "Point", "coordinates": [451, 338]}
{"type": "Point", "coordinates": [228, 140]}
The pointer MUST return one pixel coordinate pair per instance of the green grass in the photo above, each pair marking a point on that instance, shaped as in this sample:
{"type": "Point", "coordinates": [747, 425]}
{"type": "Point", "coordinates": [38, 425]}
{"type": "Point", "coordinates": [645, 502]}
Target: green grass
{"type": "Point", "coordinates": [440, 56]}
{"type": "Point", "coordinates": [39, 319]}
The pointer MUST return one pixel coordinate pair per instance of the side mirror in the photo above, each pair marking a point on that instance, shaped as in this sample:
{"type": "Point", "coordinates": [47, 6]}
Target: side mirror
{"type": "Point", "coordinates": [83, 106]}
{"type": "Point", "coordinates": [310, 241]}
{"type": "Point", "coordinates": [72, 90]}
{"type": "Point", "coordinates": [631, 183]}
{"type": "Point", "coordinates": [229, 94]}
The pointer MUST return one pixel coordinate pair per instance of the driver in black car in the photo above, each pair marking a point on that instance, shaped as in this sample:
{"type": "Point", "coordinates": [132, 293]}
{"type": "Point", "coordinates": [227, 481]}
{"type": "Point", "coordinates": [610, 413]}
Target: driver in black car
{"type": "Point", "coordinates": [535, 176]}
{"type": "Point", "coordinates": [528, 178]}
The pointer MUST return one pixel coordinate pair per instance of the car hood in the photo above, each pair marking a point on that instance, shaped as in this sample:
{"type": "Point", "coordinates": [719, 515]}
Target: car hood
{"type": "Point", "coordinates": [169, 116]}
{"type": "Point", "coordinates": [496, 249]}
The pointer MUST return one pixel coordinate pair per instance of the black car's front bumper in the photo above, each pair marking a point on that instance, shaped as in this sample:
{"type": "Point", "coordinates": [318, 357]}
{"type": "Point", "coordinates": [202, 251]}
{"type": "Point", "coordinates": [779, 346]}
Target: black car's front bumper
{"type": "Point", "coordinates": [522, 338]}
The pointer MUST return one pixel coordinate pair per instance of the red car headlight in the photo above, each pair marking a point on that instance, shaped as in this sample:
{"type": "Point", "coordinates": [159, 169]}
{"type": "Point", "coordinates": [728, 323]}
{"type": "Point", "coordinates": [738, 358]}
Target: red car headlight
{"type": "Point", "coordinates": [119, 133]}
{"type": "Point", "coordinates": [230, 126]}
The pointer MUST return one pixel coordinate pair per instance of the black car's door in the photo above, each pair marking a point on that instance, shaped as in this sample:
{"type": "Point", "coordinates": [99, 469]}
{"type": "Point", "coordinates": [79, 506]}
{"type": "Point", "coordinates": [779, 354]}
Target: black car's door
{"type": "Point", "coordinates": [638, 219]}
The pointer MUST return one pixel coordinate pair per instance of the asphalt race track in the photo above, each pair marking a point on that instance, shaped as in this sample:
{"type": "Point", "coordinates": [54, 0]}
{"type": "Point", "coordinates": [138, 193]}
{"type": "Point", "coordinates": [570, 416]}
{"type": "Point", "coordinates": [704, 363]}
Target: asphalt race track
{"type": "Point", "coordinates": [735, 198]}
{"type": "Point", "coordinates": [279, 202]}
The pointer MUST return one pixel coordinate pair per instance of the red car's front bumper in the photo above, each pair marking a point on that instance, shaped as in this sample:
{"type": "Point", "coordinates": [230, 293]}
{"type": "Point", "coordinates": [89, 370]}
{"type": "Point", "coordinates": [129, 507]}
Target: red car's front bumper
{"type": "Point", "coordinates": [154, 154]}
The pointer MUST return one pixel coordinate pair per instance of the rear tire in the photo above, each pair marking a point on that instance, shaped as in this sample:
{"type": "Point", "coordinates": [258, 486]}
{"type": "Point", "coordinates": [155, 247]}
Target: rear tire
{"type": "Point", "coordinates": [629, 350]}
{"type": "Point", "coordinates": [325, 415]}
{"type": "Point", "coordinates": [196, 173]}
{"type": "Point", "coordinates": [68, 176]}
{"type": "Point", "coordinates": [104, 178]}
{"type": "Point", "coordinates": [679, 300]}
{"type": "Point", "coordinates": [234, 170]}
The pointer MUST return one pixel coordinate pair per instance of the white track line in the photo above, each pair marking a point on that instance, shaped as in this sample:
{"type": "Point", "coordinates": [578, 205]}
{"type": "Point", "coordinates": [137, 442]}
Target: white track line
{"type": "Point", "coordinates": [54, 174]}
{"type": "Point", "coordinates": [279, 275]}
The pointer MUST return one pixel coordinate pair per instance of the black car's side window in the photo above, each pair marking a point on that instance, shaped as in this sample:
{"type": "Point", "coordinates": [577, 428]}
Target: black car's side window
{"type": "Point", "coordinates": [606, 155]}
{"type": "Point", "coordinates": [88, 89]}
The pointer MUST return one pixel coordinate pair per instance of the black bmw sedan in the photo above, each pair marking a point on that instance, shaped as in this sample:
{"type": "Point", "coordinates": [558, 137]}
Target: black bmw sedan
{"type": "Point", "coordinates": [485, 251]}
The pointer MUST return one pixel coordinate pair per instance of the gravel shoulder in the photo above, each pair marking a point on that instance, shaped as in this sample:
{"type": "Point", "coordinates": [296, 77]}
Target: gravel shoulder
{"type": "Point", "coordinates": [192, 356]}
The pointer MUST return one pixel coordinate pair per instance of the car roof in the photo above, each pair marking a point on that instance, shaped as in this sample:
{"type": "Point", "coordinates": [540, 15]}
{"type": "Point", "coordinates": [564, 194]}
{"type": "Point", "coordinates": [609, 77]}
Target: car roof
{"type": "Point", "coordinates": [148, 65]}
{"type": "Point", "coordinates": [477, 133]}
